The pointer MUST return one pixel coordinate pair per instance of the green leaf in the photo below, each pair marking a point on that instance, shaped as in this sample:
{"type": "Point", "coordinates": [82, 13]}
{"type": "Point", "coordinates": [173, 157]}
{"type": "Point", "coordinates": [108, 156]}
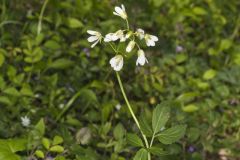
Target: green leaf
{"type": "Point", "coordinates": [158, 151]}
{"type": "Point", "coordinates": [119, 131]}
{"type": "Point", "coordinates": [61, 63]}
{"type": "Point", "coordinates": [5, 100]}
{"type": "Point", "coordinates": [142, 154]}
{"type": "Point", "coordinates": [225, 44]}
{"type": "Point", "coordinates": [57, 148]}
{"type": "Point", "coordinates": [181, 58]}
{"type": "Point", "coordinates": [134, 140]}
{"type": "Point", "coordinates": [74, 23]}
{"type": "Point", "coordinates": [26, 91]}
{"type": "Point", "coordinates": [199, 11]}
{"type": "Point", "coordinates": [190, 108]}
{"type": "Point", "coordinates": [160, 117]}
{"type": "Point", "coordinates": [209, 74]}
{"type": "Point", "coordinates": [57, 140]}
{"type": "Point", "coordinates": [172, 134]}
{"type": "Point", "coordinates": [39, 129]}
{"type": "Point", "coordinates": [39, 154]}
{"type": "Point", "coordinates": [35, 56]}
{"type": "Point", "coordinates": [2, 59]}
{"type": "Point", "coordinates": [188, 96]}
{"type": "Point", "coordinates": [9, 147]}
{"type": "Point", "coordinates": [12, 91]}
{"type": "Point", "coordinates": [145, 127]}
{"type": "Point", "coordinates": [46, 143]}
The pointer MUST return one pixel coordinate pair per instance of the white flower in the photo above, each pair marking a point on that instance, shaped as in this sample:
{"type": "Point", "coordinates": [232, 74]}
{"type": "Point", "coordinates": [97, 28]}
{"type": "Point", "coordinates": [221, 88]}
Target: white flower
{"type": "Point", "coordinates": [95, 37]}
{"type": "Point", "coordinates": [150, 39]}
{"type": "Point", "coordinates": [25, 121]}
{"type": "Point", "coordinates": [115, 36]}
{"type": "Point", "coordinates": [117, 62]}
{"type": "Point", "coordinates": [130, 46]}
{"type": "Point", "coordinates": [61, 106]}
{"type": "Point", "coordinates": [120, 35]}
{"type": "Point", "coordinates": [141, 58]}
{"type": "Point", "coordinates": [140, 33]}
{"type": "Point", "coordinates": [118, 106]}
{"type": "Point", "coordinates": [110, 37]}
{"type": "Point", "coordinates": [120, 12]}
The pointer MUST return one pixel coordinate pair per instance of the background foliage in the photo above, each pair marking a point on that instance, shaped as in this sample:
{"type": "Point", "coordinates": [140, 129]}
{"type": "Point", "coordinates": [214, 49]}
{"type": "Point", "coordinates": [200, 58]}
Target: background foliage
{"type": "Point", "coordinates": [68, 89]}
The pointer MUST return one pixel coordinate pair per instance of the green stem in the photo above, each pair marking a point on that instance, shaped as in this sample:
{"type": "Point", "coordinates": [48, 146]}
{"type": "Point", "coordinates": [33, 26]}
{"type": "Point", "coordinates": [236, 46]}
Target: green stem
{"type": "Point", "coordinates": [41, 16]}
{"type": "Point", "coordinates": [127, 25]}
{"type": "Point", "coordinates": [132, 113]}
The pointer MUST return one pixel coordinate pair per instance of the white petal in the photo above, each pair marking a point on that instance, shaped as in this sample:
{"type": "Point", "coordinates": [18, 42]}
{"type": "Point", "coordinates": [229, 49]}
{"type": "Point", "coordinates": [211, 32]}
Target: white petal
{"type": "Point", "coordinates": [92, 32]}
{"type": "Point", "coordinates": [130, 46]}
{"type": "Point", "coordinates": [92, 38]}
{"type": "Point", "coordinates": [94, 44]}
{"type": "Point", "coordinates": [116, 14]}
{"type": "Point", "coordinates": [119, 66]}
{"type": "Point", "coordinates": [117, 62]}
{"type": "Point", "coordinates": [154, 38]}
{"type": "Point", "coordinates": [123, 8]}
{"type": "Point", "coordinates": [141, 58]}
{"type": "Point", "coordinates": [119, 10]}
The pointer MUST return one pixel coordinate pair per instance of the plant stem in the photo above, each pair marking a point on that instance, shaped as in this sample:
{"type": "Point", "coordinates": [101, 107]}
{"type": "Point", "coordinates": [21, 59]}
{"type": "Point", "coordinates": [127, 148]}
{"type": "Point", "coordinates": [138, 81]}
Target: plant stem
{"type": "Point", "coordinates": [132, 113]}
{"type": "Point", "coordinates": [127, 25]}
{"type": "Point", "coordinates": [39, 28]}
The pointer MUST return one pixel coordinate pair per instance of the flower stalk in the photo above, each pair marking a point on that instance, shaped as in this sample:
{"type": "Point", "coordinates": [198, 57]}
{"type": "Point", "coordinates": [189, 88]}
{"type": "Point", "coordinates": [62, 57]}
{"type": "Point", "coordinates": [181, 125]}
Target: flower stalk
{"type": "Point", "coordinates": [132, 113]}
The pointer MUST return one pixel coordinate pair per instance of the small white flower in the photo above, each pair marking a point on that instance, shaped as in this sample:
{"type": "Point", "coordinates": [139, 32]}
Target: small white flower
{"type": "Point", "coordinates": [120, 35]}
{"type": "Point", "coordinates": [150, 39]}
{"type": "Point", "coordinates": [110, 37]}
{"type": "Point", "coordinates": [120, 12]}
{"type": "Point", "coordinates": [115, 36]}
{"type": "Point", "coordinates": [130, 46]}
{"type": "Point", "coordinates": [61, 106]}
{"type": "Point", "coordinates": [118, 107]}
{"type": "Point", "coordinates": [25, 121]}
{"type": "Point", "coordinates": [140, 33]}
{"type": "Point", "coordinates": [141, 58]}
{"type": "Point", "coordinates": [95, 37]}
{"type": "Point", "coordinates": [117, 62]}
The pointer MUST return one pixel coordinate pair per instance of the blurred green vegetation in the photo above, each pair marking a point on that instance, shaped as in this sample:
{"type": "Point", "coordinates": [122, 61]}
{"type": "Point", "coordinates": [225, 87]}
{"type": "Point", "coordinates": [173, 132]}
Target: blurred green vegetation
{"type": "Point", "coordinates": [54, 75]}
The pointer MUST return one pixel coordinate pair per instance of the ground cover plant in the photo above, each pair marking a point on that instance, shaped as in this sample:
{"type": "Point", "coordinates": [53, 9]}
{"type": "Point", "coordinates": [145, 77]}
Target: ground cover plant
{"type": "Point", "coordinates": [60, 97]}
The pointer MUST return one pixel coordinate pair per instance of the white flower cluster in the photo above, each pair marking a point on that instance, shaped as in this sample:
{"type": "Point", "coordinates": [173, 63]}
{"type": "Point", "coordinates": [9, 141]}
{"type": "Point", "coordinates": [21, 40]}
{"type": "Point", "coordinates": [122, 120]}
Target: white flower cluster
{"type": "Point", "coordinates": [124, 35]}
{"type": "Point", "coordinates": [25, 121]}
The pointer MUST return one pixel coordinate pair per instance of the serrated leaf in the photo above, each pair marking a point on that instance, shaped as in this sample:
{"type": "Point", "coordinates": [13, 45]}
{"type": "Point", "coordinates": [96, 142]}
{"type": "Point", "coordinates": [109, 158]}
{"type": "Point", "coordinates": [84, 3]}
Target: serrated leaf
{"type": "Point", "coordinates": [57, 148]}
{"type": "Point", "coordinates": [158, 151]}
{"type": "Point", "coordinates": [57, 140]}
{"type": "Point", "coordinates": [134, 140]}
{"type": "Point", "coordinates": [172, 134]}
{"type": "Point", "coordinates": [145, 127]}
{"type": "Point", "coordinates": [160, 117]}
{"type": "Point", "coordinates": [142, 154]}
{"type": "Point", "coordinates": [39, 154]}
{"type": "Point", "coordinates": [46, 143]}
